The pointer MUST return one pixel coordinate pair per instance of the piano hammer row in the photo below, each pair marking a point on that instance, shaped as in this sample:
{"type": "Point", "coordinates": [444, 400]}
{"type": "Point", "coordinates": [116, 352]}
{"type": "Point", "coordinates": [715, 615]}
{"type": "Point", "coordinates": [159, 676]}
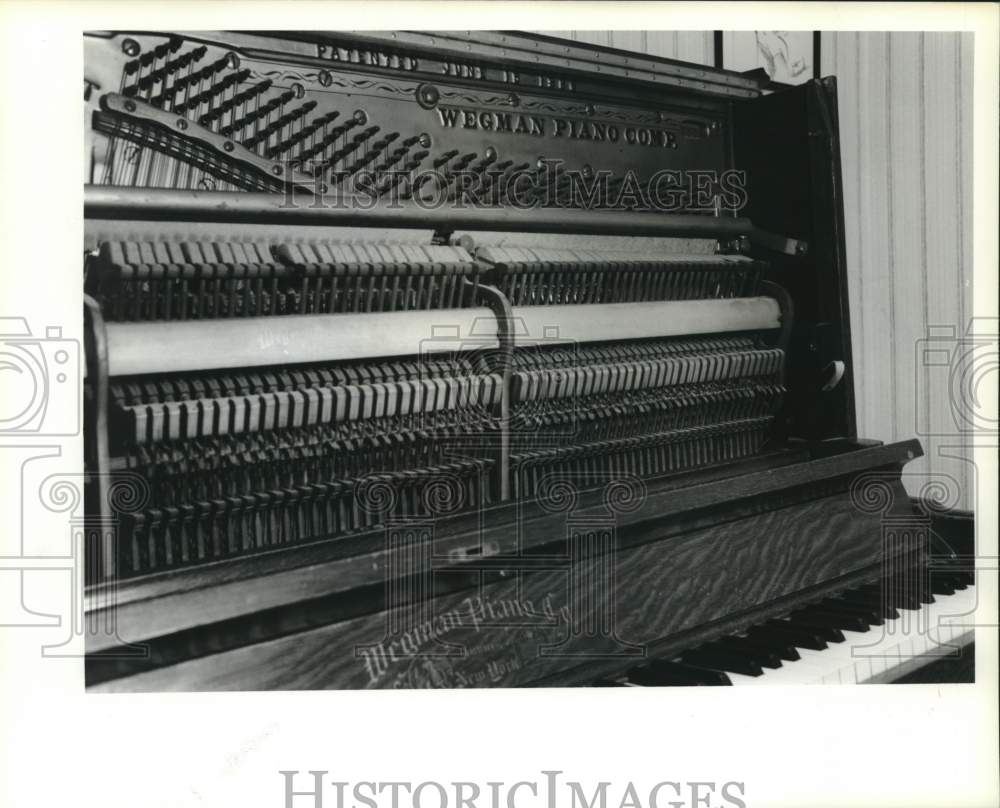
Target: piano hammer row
{"type": "Point", "coordinates": [645, 412]}
{"type": "Point", "coordinates": [532, 385]}
{"type": "Point", "coordinates": [179, 280]}
{"type": "Point", "coordinates": [641, 456]}
{"type": "Point", "coordinates": [131, 390]}
{"type": "Point", "coordinates": [174, 420]}
{"type": "Point", "coordinates": [559, 276]}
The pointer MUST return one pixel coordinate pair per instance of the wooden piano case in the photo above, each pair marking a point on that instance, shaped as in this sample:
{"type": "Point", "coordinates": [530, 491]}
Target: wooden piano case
{"type": "Point", "coordinates": [571, 580]}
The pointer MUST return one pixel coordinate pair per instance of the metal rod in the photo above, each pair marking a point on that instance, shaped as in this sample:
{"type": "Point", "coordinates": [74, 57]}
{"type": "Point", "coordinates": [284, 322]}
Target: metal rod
{"type": "Point", "coordinates": [96, 354]}
{"type": "Point", "coordinates": [112, 202]}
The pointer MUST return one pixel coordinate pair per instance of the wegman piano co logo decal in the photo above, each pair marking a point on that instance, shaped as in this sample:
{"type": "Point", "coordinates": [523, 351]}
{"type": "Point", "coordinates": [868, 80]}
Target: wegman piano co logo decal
{"type": "Point", "coordinates": [516, 123]}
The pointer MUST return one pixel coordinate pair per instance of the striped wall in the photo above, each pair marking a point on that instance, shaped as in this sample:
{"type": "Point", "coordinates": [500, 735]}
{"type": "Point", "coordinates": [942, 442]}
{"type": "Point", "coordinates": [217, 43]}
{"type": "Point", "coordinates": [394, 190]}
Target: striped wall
{"type": "Point", "coordinates": [906, 129]}
{"type": "Point", "coordinates": [689, 46]}
{"type": "Point", "coordinates": [906, 147]}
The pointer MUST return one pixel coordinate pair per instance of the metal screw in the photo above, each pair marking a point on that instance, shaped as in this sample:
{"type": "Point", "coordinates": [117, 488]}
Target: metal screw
{"type": "Point", "coordinates": [428, 95]}
{"type": "Point", "coordinates": [232, 60]}
{"type": "Point", "coordinates": [360, 118]}
{"type": "Point", "coordinates": [131, 48]}
{"type": "Point", "coordinates": [425, 140]}
{"type": "Point", "coordinates": [130, 106]}
{"type": "Point", "coordinates": [325, 78]}
{"type": "Point", "coordinates": [182, 123]}
{"type": "Point", "coordinates": [277, 170]}
{"type": "Point", "coordinates": [228, 145]}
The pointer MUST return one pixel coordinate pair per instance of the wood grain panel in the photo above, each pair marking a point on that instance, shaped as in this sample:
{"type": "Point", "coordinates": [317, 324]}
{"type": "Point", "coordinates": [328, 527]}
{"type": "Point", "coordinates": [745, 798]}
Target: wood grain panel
{"type": "Point", "coordinates": [672, 585]}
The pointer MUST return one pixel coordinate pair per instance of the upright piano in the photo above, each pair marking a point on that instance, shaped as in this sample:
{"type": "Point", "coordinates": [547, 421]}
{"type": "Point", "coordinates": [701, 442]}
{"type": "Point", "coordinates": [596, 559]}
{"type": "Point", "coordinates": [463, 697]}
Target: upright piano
{"type": "Point", "coordinates": [481, 359]}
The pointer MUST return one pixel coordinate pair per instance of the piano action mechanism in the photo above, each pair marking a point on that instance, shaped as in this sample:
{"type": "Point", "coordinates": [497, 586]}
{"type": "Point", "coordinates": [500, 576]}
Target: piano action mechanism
{"type": "Point", "coordinates": [382, 393]}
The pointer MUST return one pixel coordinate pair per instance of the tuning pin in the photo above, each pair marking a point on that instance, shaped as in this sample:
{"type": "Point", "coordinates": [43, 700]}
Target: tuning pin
{"type": "Point", "coordinates": [445, 158]}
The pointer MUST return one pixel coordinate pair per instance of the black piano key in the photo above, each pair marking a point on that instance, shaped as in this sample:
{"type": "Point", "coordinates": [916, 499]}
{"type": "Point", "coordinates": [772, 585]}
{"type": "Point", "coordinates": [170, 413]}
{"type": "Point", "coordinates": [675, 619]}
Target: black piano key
{"type": "Point", "coordinates": [711, 656]}
{"type": "Point", "coordinates": [899, 597]}
{"type": "Point", "coordinates": [765, 657]}
{"type": "Point", "coordinates": [941, 586]}
{"type": "Point", "coordinates": [784, 649]}
{"type": "Point", "coordinates": [818, 618]}
{"type": "Point", "coordinates": [870, 614]}
{"type": "Point", "coordinates": [824, 630]}
{"type": "Point", "coordinates": [783, 631]}
{"type": "Point", "coordinates": [948, 577]}
{"type": "Point", "coordinates": [907, 595]}
{"type": "Point", "coordinates": [957, 579]}
{"type": "Point", "coordinates": [879, 602]}
{"type": "Point", "coordinates": [661, 672]}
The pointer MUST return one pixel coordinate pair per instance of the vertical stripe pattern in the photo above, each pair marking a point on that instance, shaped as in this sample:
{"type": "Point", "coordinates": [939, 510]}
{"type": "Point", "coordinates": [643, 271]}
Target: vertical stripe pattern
{"type": "Point", "coordinates": [906, 145]}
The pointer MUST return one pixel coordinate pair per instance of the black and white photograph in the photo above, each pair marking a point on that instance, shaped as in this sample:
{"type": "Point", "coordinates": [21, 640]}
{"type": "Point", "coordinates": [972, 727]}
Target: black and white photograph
{"type": "Point", "coordinates": [535, 367]}
{"type": "Point", "coordinates": [580, 387]}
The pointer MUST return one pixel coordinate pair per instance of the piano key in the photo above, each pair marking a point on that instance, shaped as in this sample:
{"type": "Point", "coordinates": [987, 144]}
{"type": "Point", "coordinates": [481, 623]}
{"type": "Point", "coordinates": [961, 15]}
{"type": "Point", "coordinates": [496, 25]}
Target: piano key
{"type": "Point", "coordinates": [783, 631]}
{"type": "Point", "coordinates": [941, 585]}
{"type": "Point", "coordinates": [716, 658]}
{"type": "Point", "coordinates": [879, 602]}
{"type": "Point", "coordinates": [762, 655]}
{"type": "Point", "coordinates": [869, 614]}
{"type": "Point", "coordinates": [884, 653]}
{"type": "Point", "coordinates": [659, 672]}
{"type": "Point", "coordinates": [829, 621]}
